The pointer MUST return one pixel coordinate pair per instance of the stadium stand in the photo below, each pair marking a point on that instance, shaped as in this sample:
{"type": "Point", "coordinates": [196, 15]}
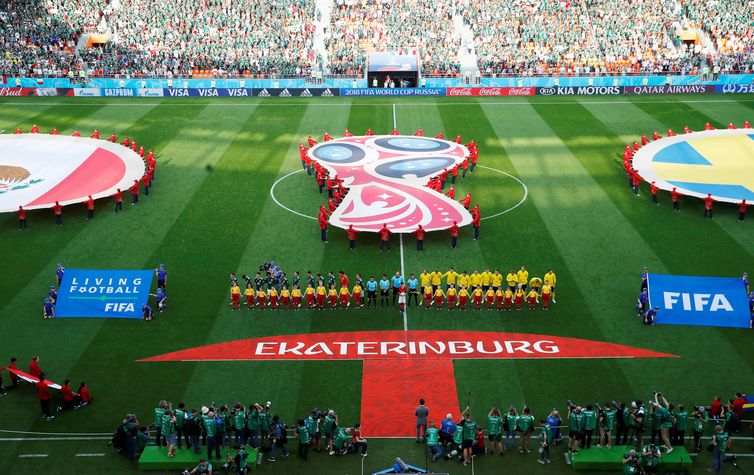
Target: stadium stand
{"type": "Point", "coordinates": [268, 38]}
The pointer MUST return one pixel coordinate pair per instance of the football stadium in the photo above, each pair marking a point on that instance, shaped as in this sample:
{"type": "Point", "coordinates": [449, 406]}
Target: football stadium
{"type": "Point", "coordinates": [380, 236]}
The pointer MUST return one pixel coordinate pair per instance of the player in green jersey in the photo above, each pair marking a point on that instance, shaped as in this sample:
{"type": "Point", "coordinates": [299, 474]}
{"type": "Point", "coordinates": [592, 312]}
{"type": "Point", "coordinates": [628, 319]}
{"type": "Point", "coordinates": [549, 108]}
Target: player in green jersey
{"type": "Point", "coordinates": [494, 426]}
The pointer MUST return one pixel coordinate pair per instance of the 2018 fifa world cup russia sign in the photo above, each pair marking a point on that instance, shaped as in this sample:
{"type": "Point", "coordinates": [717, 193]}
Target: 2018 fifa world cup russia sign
{"type": "Point", "coordinates": [386, 177]}
{"type": "Point", "coordinates": [402, 366]}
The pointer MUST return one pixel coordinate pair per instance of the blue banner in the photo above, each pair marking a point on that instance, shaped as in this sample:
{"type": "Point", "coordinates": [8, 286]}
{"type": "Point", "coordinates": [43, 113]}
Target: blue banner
{"type": "Point", "coordinates": [382, 91]}
{"type": "Point", "coordinates": [708, 301]}
{"type": "Point", "coordinates": [103, 293]}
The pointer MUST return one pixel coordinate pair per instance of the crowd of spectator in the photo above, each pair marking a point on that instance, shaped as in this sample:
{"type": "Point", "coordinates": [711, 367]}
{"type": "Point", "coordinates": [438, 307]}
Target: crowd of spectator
{"type": "Point", "coordinates": [268, 38]}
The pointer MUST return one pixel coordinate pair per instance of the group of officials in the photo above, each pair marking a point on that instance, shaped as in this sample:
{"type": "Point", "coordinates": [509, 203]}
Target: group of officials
{"type": "Point", "coordinates": [150, 162]}
{"type": "Point", "coordinates": [336, 191]}
{"type": "Point", "coordinates": [449, 290]}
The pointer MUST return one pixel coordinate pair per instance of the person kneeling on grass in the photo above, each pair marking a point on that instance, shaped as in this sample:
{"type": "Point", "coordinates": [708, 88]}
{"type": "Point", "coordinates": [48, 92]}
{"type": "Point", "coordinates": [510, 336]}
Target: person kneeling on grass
{"type": "Point", "coordinates": [203, 468]}
{"type": "Point", "coordinates": [650, 458]}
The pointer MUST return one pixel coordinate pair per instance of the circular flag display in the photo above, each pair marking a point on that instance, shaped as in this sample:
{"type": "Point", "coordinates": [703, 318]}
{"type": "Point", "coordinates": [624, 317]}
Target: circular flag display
{"type": "Point", "coordinates": [387, 176]}
{"type": "Point", "coordinates": [36, 170]}
{"type": "Point", "coordinates": [718, 162]}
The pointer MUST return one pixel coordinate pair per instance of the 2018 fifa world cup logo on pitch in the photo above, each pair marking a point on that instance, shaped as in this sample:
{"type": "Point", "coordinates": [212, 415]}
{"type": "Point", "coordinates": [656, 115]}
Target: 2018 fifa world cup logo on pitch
{"type": "Point", "coordinates": [386, 178]}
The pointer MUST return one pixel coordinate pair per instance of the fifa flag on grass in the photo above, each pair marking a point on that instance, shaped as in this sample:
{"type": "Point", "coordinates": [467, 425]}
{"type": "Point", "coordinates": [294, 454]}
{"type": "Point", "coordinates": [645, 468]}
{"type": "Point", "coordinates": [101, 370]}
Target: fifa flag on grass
{"type": "Point", "coordinates": [707, 301]}
{"type": "Point", "coordinates": [103, 293]}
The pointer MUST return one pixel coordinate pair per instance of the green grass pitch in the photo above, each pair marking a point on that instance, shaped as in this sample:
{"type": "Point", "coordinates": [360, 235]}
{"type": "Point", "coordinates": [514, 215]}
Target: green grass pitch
{"type": "Point", "coordinates": [579, 218]}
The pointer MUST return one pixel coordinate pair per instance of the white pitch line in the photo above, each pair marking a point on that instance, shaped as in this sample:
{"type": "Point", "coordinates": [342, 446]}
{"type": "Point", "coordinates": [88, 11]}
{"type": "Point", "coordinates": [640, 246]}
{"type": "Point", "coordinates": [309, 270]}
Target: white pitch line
{"type": "Point", "coordinates": [395, 123]}
{"type": "Point", "coordinates": [403, 273]}
{"type": "Point", "coordinates": [366, 104]}
{"type": "Point", "coordinates": [32, 456]}
{"type": "Point", "coordinates": [90, 455]}
{"type": "Point", "coordinates": [49, 439]}
{"type": "Point", "coordinates": [272, 195]}
{"type": "Point", "coordinates": [526, 192]}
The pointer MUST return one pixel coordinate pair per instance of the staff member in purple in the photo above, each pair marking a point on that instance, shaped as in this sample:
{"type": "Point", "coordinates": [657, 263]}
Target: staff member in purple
{"type": "Point", "coordinates": [162, 277]}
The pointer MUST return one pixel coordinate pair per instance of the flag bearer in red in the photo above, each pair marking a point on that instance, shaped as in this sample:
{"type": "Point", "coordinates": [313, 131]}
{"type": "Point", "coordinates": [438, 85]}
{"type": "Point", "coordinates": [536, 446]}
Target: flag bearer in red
{"type": "Point", "coordinates": [43, 392]}
{"type": "Point", "coordinates": [385, 234]}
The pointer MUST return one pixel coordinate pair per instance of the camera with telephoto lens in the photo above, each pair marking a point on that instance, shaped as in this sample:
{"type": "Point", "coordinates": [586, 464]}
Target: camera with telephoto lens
{"type": "Point", "coordinates": [615, 404]}
{"type": "Point", "coordinates": [571, 405]}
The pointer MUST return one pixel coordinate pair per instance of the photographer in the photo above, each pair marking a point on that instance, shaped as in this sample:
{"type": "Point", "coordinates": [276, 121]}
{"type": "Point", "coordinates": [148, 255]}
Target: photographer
{"type": "Point", "coordinates": [588, 424]}
{"type": "Point", "coordinates": [240, 459]}
{"type": "Point", "coordinates": [526, 427]}
{"type": "Point", "coordinates": [665, 419]}
{"type": "Point", "coordinates": [278, 438]}
{"type": "Point", "coordinates": [545, 439]}
{"type": "Point", "coordinates": [574, 427]}
{"type": "Point", "coordinates": [468, 434]}
{"type": "Point", "coordinates": [636, 423]}
{"type": "Point", "coordinates": [622, 422]}
{"type": "Point", "coordinates": [700, 422]}
{"type": "Point", "coordinates": [239, 424]}
{"type": "Point", "coordinates": [304, 439]}
{"type": "Point", "coordinates": [448, 429]}
{"type": "Point", "coordinates": [650, 458]}
{"type": "Point", "coordinates": [630, 462]}
{"type": "Point", "coordinates": [203, 468]}
{"type": "Point", "coordinates": [606, 424]}
{"type": "Point", "coordinates": [554, 421]}
{"type": "Point", "coordinates": [494, 421]}
{"type": "Point", "coordinates": [432, 436]}
{"type": "Point", "coordinates": [340, 440]}
{"type": "Point", "coordinates": [719, 441]}
{"type": "Point", "coordinates": [510, 426]}
{"type": "Point", "coordinates": [329, 424]}
{"type": "Point", "coordinates": [253, 424]}
{"type": "Point", "coordinates": [313, 424]}
{"type": "Point", "coordinates": [192, 426]}
{"type": "Point", "coordinates": [681, 417]}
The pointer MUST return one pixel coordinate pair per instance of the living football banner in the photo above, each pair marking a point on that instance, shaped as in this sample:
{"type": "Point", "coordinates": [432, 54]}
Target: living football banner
{"type": "Point", "coordinates": [103, 293]}
{"type": "Point", "coordinates": [707, 301]}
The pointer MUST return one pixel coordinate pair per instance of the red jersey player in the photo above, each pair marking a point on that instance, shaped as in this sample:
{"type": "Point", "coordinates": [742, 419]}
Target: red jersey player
{"type": "Point", "coordinates": [466, 202]}
{"type": "Point", "coordinates": [675, 195]}
{"type": "Point", "coordinates": [351, 237]}
{"type": "Point", "coordinates": [747, 125]}
{"type": "Point", "coordinates": [451, 193]}
{"type": "Point", "coordinates": [113, 138]}
{"type": "Point", "coordinates": [347, 133]}
{"type": "Point", "coordinates": [644, 140]}
{"type": "Point", "coordinates": [54, 131]}
{"type": "Point", "coordinates": [34, 129]}
{"type": "Point", "coordinates": [656, 136]}
{"type": "Point", "coordinates": [731, 126]}
{"type": "Point", "coordinates": [76, 133]}
{"type": "Point", "coordinates": [17, 132]}
{"type": "Point", "coordinates": [394, 132]}
{"type": "Point", "coordinates": [95, 134]}
{"type": "Point", "coordinates": [742, 206]}
{"type": "Point", "coordinates": [419, 132]}
{"type": "Point", "coordinates": [327, 137]}
{"type": "Point", "coordinates": [369, 132]}
{"type": "Point", "coordinates": [654, 189]}
{"type": "Point", "coordinates": [453, 235]}
{"type": "Point", "coordinates": [310, 140]}
{"type": "Point", "coordinates": [707, 126]}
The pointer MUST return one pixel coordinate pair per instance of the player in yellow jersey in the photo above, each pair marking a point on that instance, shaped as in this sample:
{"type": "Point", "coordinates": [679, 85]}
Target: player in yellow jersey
{"type": "Point", "coordinates": [425, 278]}
{"type": "Point", "coordinates": [273, 298]}
{"type": "Point", "coordinates": [439, 298]}
{"type": "Point", "coordinates": [436, 278]}
{"type": "Point", "coordinates": [512, 280]}
{"type": "Point", "coordinates": [452, 297]}
{"type": "Point", "coordinates": [296, 294]}
{"type": "Point", "coordinates": [490, 298]}
{"type": "Point", "coordinates": [497, 280]}
{"type": "Point", "coordinates": [522, 277]}
{"type": "Point", "coordinates": [551, 280]}
{"type": "Point", "coordinates": [475, 279]}
{"type": "Point", "coordinates": [546, 295]}
{"type": "Point", "coordinates": [533, 298]}
{"type": "Point", "coordinates": [535, 283]}
{"type": "Point", "coordinates": [464, 280]}
{"type": "Point", "coordinates": [450, 277]}
{"type": "Point", "coordinates": [427, 296]}
{"type": "Point", "coordinates": [486, 279]}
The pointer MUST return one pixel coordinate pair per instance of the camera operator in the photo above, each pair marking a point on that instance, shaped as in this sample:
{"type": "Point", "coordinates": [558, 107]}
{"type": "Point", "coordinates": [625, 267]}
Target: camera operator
{"type": "Point", "coordinates": [606, 424]}
{"type": "Point", "coordinates": [304, 439]}
{"type": "Point", "coordinates": [700, 422]}
{"type": "Point", "coordinates": [510, 426]}
{"type": "Point", "coordinates": [313, 424]}
{"type": "Point", "coordinates": [622, 422]}
{"type": "Point", "coordinates": [732, 423]}
{"type": "Point", "coordinates": [240, 460]}
{"type": "Point", "coordinates": [330, 423]}
{"type": "Point", "coordinates": [203, 468]}
{"type": "Point", "coordinates": [432, 437]}
{"type": "Point", "coordinates": [664, 419]}
{"type": "Point", "coordinates": [447, 429]}
{"type": "Point", "coordinates": [279, 438]}
{"type": "Point", "coordinates": [253, 424]}
{"type": "Point", "coordinates": [129, 429]}
{"type": "Point", "coordinates": [588, 424]}
{"type": "Point", "coordinates": [650, 458]}
{"type": "Point", "coordinates": [630, 462]}
{"type": "Point", "coordinates": [574, 427]}
{"type": "Point", "coordinates": [193, 430]}
{"type": "Point", "coordinates": [636, 423]}
{"type": "Point", "coordinates": [681, 417]}
{"type": "Point", "coordinates": [554, 421]}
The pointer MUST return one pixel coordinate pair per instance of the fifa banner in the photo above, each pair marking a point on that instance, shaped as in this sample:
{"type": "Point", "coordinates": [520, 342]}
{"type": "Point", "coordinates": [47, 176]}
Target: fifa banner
{"type": "Point", "coordinates": [706, 301]}
{"type": "Point", "coordinates": [381, 91]}
{"type": "Point", "coordinates": [103, 293]}
{"type": "Point", "coordinates": [490, 91]}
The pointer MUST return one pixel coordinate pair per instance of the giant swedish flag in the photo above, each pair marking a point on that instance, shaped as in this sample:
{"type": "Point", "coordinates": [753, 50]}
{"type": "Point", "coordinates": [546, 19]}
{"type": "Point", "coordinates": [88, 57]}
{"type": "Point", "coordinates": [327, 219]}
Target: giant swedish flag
{"type": "Point", "coordinates": [720, 162]}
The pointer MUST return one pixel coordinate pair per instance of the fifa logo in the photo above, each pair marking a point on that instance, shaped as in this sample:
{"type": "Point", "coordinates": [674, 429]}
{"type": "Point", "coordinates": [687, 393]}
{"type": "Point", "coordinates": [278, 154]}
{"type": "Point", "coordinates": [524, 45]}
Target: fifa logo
{"type": "Point", "coordinates": [386, 178]}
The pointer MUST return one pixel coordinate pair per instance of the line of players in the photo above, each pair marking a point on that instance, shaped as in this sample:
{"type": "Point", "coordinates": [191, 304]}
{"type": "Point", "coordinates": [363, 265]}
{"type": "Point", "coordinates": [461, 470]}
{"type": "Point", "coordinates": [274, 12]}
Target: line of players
{"type": "Point", "coordinates": [634, 179]}
{"type": "Point", "coordinates": [460, 290]}
{"type": "Point", "coordinates": [336, 191]}
{"type": "Point", "coordinates": [150, 161]}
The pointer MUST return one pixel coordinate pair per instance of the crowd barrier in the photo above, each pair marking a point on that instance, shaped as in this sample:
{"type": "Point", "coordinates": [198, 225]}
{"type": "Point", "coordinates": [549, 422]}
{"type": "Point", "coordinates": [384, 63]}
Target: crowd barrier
{"type": "Point", "coordinates": [287, 92]}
